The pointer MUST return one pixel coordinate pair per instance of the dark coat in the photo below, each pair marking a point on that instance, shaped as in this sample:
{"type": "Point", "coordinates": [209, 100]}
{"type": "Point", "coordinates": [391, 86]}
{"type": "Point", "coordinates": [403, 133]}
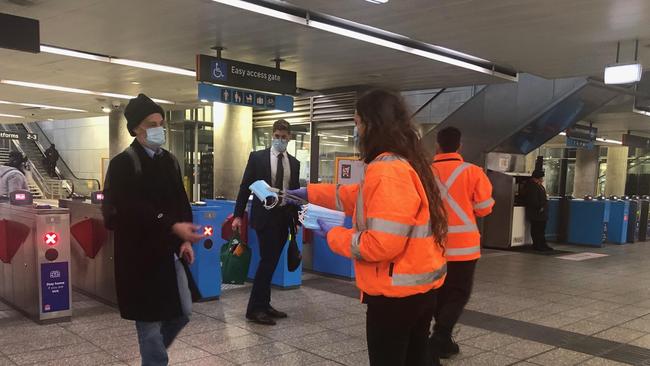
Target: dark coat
{"type": "Point", "coordinates": [259, 168]}
{"type": "Point", "coordinates": [142, 208]}
{"type": "Point", "coordinates": [535, 200]}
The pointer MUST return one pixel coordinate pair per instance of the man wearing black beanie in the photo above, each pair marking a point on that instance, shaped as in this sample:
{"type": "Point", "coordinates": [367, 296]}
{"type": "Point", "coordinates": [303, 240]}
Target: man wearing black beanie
{"type": "Point", "coordinates": [145, 203]}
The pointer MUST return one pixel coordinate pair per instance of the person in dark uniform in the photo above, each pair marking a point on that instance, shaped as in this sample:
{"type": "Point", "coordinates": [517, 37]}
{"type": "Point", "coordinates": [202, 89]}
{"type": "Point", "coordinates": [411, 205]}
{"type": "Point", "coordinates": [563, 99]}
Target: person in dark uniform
{"type": "Point", "coordinates": [146, 205]}
{"type": "Point", "coordinates": [51, 158]}
{"type": "Point", "coordinates": [280, 170]}
{"type": "Point", "coordinates": [536, 203]}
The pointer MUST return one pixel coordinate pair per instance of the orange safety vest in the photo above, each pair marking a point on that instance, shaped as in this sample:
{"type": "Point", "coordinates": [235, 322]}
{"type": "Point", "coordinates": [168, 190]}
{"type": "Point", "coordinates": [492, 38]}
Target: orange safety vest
{"type": "Point", "coordinates": [467, 193]}
{"type": "Point", "coordinates": [394, 252]}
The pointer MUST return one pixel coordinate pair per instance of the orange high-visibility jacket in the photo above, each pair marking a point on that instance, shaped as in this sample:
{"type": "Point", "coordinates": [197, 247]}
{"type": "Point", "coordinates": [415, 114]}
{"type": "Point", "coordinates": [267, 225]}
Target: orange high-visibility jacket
{"type": "Point", "coordinates": [467, 193]}
{"type": "Point", "coordinates": [394, 252]}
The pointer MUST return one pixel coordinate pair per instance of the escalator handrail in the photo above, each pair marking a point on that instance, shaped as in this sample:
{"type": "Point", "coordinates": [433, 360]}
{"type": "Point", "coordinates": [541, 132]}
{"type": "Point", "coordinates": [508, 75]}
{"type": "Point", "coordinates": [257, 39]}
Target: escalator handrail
{"type": "Point", "coordinates": [41, 134]}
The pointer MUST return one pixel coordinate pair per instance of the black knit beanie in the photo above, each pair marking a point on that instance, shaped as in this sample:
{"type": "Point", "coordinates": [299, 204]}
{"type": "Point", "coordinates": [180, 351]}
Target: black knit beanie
{"type": "Point", "coordinates": [138, 109]}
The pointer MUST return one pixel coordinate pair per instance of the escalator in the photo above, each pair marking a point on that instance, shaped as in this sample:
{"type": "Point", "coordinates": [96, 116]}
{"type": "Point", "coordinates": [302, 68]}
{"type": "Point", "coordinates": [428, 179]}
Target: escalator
{"type": "Point", "coordinates": [515, 119]}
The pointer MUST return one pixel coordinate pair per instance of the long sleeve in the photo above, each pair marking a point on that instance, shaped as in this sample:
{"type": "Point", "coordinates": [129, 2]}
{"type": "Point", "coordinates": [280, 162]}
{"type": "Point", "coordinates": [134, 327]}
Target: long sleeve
{"type": "Point", "coordinates": [482, 195]}
{"type": "Point", "coordinates": [244, 191]}
{"type": "Point", "coordinates": [336, 197]}
{"type": "Point", "coordinates": [386, 220]}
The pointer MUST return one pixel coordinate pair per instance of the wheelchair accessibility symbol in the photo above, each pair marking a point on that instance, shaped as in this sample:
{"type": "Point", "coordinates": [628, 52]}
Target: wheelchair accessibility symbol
{"type": "Point", "coordinates": [219, 69]}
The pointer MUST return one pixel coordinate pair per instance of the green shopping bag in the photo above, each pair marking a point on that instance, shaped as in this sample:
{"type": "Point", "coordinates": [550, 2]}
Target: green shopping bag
{"type": "Point", "coordinates": [235, 260]}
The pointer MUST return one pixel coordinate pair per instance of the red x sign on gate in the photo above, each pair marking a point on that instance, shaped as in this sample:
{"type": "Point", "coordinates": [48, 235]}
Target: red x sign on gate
{"type": "Point", "coordinates": [51, 239]}
{"type": "Point", "coordinates": [207, 230]}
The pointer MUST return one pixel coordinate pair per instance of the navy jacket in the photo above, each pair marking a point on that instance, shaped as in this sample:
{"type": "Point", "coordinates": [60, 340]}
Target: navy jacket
{"type": "Point", "coordinates": [259, 168]}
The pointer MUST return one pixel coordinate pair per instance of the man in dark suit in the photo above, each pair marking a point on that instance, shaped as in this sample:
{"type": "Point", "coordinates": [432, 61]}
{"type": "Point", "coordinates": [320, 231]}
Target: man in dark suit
{"type": "Point", "coordinates": [536, 203]}
{"type": "Point", "coordinates": [280, 170]}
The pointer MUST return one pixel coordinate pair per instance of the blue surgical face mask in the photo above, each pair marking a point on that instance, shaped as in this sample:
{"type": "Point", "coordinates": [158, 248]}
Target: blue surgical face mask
{"type": "Point", "coordinates": [280, 144]}
{"type": "Point", "coordinates": [155, 137]}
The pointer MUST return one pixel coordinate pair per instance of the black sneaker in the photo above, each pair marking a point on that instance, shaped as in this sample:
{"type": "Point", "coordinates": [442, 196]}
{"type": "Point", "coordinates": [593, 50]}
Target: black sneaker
{"type": "Point", "coordinates": [444, 347]}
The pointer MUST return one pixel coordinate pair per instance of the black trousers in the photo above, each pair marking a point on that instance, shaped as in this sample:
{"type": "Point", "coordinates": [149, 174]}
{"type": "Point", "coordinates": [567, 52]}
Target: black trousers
{"type": "Point", "coordinates": [272, 239]}
{"type": "Point", "coordinates": [538, 233]}
{"type": "Point", "coordinates": [453, 296]}
{"type": "Point", "coordinates": [398, 330]}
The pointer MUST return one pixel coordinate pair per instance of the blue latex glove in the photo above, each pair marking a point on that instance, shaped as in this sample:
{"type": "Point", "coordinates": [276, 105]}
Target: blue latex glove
{"type": "Point", "coordinates": [300, 192]}
{"type": "Point", "coordinates": [324, 228]}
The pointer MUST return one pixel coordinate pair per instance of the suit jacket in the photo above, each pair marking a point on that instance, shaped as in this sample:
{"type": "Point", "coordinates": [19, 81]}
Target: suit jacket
{"type": "Point", "coordinates": [259, 168]}
{"type": "Point", "coordinates": [535, 201]}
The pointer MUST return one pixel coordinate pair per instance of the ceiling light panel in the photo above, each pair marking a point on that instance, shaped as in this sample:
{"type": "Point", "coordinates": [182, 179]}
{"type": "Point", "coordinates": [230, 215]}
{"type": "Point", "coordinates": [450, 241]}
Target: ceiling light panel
{"type": "Point", "coordinates": [10, 115]}
{"type": "Point", "coordinates": [75, 90]}
{"type": "Point", "coordinates": [43, 106]}
{"type": "Point", "coordinates": [117, 61]}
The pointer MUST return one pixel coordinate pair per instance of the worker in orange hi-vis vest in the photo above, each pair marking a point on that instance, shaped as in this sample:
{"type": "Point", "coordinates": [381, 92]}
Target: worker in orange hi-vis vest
{"type": "Point", "coordinates": [398, 235]}
{"type": "Point", "coordinates": [467, 194]}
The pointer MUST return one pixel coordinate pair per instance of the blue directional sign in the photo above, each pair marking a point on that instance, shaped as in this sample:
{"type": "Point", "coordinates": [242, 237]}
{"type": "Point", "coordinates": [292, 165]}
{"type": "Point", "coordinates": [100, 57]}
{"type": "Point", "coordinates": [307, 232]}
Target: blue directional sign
{"type": "Point", "coordinates": [220, 94]}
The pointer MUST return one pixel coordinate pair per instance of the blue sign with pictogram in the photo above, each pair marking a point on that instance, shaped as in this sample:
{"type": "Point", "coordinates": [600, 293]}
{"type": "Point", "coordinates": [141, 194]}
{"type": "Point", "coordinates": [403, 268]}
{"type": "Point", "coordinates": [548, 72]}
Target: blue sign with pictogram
{"type": "Point", "coordinates": [219, 94]}
{"type": "Point", "coordinates": [55, 287]}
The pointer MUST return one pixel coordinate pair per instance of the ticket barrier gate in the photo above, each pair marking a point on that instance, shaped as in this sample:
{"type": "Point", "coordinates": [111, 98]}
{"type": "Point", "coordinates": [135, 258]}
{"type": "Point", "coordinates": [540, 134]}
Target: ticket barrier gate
{"type": "Point", "coordinates": [618, 222]}
{"type": "Point", "coordinates": [634, 221]}
{"type": "Point", "coordinates": [644, 224]}
{"type": "Point", "coordinates": [92, 250]}
{"type": "Point", "coordinates": [206, 269]}
{"type": "Point", "coordinates": [553, 224]}
{"type": "Point", "coordinates": [35, 259]}
{"type": "Point", "coordinates": [327, 262]}
{"type": "Point", "coordinates": [588, 221]}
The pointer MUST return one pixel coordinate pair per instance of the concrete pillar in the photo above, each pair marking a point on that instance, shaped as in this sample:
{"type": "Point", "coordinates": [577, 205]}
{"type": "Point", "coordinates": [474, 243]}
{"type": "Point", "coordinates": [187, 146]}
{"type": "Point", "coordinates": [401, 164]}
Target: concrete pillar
{"type": "Point", "coordinates": [616, 173]}
{"type": "Point", "coordinates": [586, 173]}
{"type": "Point", "coordinates": [118, 135]}
{"type": "Point", "coordinates": [233, 142]}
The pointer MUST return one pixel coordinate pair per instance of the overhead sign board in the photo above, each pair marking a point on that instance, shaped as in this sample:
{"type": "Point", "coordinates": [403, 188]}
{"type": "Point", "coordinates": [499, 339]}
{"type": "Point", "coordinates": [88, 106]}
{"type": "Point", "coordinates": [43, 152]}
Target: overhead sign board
{"type": "Point", "coordinates": [243, 75]}
{"type": "Point", "coordinates": [581, 136]}
{"type": "Point", "coordinates": [18, 136]}
{"type": "Point", "coordinates": [213, 93]}
{"type": "Point", "coordinates": [636, 141]}
{"type": "Point", "coordinates": [18, 33]}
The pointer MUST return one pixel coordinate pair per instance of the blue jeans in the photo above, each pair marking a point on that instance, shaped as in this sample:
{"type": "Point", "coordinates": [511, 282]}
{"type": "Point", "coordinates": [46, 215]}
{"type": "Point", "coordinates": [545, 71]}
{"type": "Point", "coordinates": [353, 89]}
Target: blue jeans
{"type": "Point", "coordinates": [155, 337]}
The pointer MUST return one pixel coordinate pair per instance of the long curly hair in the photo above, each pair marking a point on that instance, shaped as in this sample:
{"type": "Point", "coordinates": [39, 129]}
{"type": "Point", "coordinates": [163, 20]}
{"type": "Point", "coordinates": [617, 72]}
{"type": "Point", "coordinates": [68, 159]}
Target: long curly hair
{"type": "Point", "coordinates": [387, 127]}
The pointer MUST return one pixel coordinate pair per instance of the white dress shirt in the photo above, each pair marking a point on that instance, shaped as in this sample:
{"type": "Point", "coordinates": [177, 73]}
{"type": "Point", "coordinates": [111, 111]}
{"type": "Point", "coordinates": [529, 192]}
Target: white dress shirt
{"type": "Point", "coordinates": [285, 166]}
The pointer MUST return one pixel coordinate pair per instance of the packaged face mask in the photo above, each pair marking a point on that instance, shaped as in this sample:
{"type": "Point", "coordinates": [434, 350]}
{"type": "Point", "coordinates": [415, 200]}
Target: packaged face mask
{"type": "Point", "coordinates": [155, 137]}
{"type": "Point", "coordinates": [263, 192]}
{"type": "Point", "coordinates": [310, 214]}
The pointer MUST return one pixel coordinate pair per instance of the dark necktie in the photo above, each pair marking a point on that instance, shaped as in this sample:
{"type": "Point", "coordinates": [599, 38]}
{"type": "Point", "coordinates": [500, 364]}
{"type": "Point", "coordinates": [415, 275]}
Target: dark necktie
{"type": "Point", "coordinates": [279, 174]}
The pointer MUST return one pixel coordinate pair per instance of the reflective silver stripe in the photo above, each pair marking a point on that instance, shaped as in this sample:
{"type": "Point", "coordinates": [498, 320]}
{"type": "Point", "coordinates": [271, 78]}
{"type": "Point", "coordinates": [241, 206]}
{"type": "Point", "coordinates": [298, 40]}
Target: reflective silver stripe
{"type": "Point", "coordinates": [419, 278]}
{"type": "Point", "coordinates": [444, 191]}
{"type": "Point", "coordinates": [337, 198]}
{"type": "Point", "coordinates": [457, 229]}
{"type": "Point", "coordinates": [388, 158]}
{"type": "Point", "coordinates": [396, 228]}
{"type": "Point", "coordinates": [355, 246]}
{"type": "Point", "coordinates": [452, 178]}
{"type": "Point", "coordinates": [485, 204]}
{"type": "Point", "coordinates": [463, 251]}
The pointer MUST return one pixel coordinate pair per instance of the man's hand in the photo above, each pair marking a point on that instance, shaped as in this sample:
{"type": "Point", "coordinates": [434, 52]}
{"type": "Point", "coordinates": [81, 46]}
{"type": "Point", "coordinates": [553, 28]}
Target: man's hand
{"type": "Point", "coordinates": [187, 252]}
{"type": "Point", "coordinates": [187, 231]}
{"type": "Point", "coordinates": [236, 224]}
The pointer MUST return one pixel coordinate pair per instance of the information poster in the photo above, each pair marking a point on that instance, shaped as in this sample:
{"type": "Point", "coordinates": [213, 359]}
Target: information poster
{"type": "Point", "coordinates": [348, 170]}
{"type": "Point", "coordinates": [55, 287]}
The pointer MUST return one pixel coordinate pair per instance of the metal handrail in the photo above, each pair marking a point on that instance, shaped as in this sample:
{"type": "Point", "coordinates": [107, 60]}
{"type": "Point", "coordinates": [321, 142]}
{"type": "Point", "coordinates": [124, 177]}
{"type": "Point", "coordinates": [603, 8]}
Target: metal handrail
{"type": "Point", "coordinates": [43, 137]}
{"type": "Point", "coordinates": [35, 174]}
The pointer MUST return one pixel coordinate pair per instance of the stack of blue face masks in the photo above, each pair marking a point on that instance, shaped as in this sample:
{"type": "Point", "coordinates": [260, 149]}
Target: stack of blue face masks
{"type": "Point", "coordinates": [265, 194]}
{"type": "Point", "coordinates": [310, 214]}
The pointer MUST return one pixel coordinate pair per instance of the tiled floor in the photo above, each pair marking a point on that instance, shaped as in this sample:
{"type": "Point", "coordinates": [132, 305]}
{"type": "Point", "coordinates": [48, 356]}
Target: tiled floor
{"type": "Point", "coordinates": [526, 310]}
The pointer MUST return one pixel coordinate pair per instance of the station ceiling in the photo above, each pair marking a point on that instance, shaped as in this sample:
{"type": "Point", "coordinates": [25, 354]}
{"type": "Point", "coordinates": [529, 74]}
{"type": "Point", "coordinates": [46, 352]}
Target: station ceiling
{"type": "Point", "coordinates": [551, 38]}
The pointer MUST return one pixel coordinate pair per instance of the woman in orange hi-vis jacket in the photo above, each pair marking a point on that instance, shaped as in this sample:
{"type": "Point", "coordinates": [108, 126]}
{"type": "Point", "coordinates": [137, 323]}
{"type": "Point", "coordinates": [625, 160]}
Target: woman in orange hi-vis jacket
{"type": "Point", "coordinates": [399, 231]}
